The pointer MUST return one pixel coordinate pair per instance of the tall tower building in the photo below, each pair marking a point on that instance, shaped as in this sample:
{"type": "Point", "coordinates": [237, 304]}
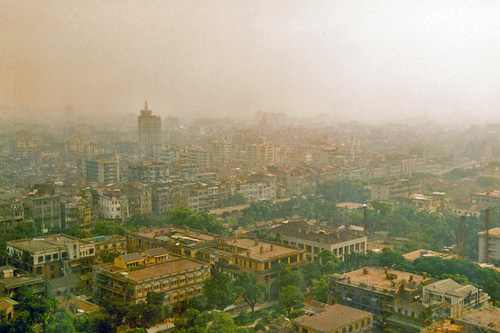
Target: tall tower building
{"type": "Point", "coordinates": [149, 132]}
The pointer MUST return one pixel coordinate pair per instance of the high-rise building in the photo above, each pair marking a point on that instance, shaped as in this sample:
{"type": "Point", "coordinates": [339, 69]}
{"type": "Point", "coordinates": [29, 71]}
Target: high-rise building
{"type": "Point", "coordinates": [149, 132]}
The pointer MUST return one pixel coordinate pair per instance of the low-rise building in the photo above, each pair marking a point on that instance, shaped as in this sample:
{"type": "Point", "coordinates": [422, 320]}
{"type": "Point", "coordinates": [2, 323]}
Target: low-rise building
{"type": "Point", "coordinates": [133, 275]}
{"type": "Point", "coordinates": [240, 255]}
{"type": "Point", "coordinates": [11, 280]}
{"type": "Point", "coordinates": [334, 319]}
{"type": "Point", "coordinates": [108, 244]}
{"type": "Point", "coordinates": [47, 256]}
{"type": "Point", "coordinates": [447, 298]}
{"type": "Point", "coordinates": [388, 294]}
{"type": "Point", "coordinates": [339, 241]}
{"type": "Point", "coordinates": [11, 212]}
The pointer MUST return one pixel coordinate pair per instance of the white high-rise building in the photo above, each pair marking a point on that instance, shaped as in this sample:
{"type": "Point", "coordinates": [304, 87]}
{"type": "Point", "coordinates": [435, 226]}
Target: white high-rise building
{"type": "Point", "coordinates": [149, 132]}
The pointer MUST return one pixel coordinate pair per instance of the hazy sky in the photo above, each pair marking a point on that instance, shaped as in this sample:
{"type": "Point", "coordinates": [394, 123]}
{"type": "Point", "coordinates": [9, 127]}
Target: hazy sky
{"type": "Point", "coordinates": [346, 58]}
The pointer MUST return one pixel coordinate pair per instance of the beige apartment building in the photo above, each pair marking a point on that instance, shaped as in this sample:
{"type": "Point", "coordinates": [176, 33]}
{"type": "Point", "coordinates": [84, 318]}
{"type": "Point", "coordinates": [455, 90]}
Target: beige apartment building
{"type": "Point", "coordinates": [133, 275]}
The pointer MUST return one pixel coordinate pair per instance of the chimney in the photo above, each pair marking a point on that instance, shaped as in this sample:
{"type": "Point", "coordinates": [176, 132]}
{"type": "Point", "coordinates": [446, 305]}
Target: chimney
{"type": "Point", "coordinates": [256, 242]}
{"type": "Point", "coordinates": [271, 248]}
{"type": "Point", "coordinates": [424, 274]}
{"type": "Point", "coordinates": [248, 254]}
{"type": "Point", "coordinates": [385, 269]}
{"type": "Point", "coordinates": [365, 270]}
{"type": "Point", "coordinates": [411, 278]}
{"type": "Point", "coordinates": [261, 249]}
{"type": "Point", "coordinates": [235, 239]}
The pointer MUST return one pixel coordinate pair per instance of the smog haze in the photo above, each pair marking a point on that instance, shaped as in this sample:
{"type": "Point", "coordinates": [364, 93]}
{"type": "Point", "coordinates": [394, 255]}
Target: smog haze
{"type": "Point", "coordinates": [349, 60]}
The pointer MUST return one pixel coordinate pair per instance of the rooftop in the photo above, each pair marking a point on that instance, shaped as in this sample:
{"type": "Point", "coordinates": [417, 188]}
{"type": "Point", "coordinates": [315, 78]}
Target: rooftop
{"type": "Point", "coordinates": [411, 256]}
{"type": "Point", "coordinates": [50, 243]}
{"type": "Point", "coordinates": [302, 230]}
{"type": "Point", "coordinates": [158, 251]}
{"type": "Point", "coordinates": [486, 317]}
{"type": "Point", "coordinates": [495, 232]}
{"type": "Point", "coordinates": [379, 279]}
{"type": "Point", "coordinates": [255, 249]}
{"type": "Point", "coordinates": [334, 317]}
{"type": "Point", "coordinates": [173, 265]}
{"type": "Point", "coordinates": [131, 257]}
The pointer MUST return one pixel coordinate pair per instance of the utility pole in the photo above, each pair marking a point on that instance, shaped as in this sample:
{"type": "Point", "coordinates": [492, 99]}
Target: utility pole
{"type": "Point", "coordinates": [461, 238]}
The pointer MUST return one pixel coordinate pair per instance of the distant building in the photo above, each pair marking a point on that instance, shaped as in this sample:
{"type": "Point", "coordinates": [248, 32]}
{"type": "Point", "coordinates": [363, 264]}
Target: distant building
{"type": "Point", "coordinates": [45, 210]}
{"type": "Point", "coordinates": [486, 198]}
{"type": "Point", "coordinates": [149, 172]}
{"type": "Point", "coordinates": [112, 204]}
{"type": "Point", "coordinates": [11, 212]}
{"type": "Point", "coordinates": [340, 242]}
{"type": "Point", "coordinates": [149, 129]}
{"type": "Point", "coordinates": [334, 319]}
{"type": "Point", "coordinates": [133, 275]}
{"type": "Point", "coordinates": [391, 190]}
{"type": "Point", "coordinates": [102, 171]}
{"type": "Point", "coordinates": [492, 251]}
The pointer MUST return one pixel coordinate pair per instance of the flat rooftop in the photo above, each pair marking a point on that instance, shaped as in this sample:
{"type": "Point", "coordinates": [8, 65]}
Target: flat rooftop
{"type": "Point", "coordinates": [411, 256]}
{"type": "Point", "coordinates": [174, 233]}
{"type": "Point", "coordinates": [494, 232]}
{"type": "Point", "coordinates": [49, 243]}
{"type": "Point", "coordinates": [174, 264]}
{"type": "Point", "coordinates": [378, 279]}
{"type": "Point", "coordinates": [255, 249]}
{"type": "Point", "coordinates": [332, 318]}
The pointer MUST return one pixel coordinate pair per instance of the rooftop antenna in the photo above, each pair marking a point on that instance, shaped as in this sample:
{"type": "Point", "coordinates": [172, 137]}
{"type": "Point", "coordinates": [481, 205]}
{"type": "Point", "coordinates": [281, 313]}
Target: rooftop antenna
{"type": "Point", "coordinates": [146, 105]}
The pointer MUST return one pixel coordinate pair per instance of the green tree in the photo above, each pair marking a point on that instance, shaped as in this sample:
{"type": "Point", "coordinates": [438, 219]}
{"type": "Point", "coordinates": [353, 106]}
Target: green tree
{"type": "Point", "coordinates": [320, 289]}
{"type": "Point", "coordinates": [246, 285]}
{"type": "Point", "coordinates": [290, 298]}
{"type": "Point", "coordinates": [222, 322]}
{"type": "Point", "coordinates": [219, 290]}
